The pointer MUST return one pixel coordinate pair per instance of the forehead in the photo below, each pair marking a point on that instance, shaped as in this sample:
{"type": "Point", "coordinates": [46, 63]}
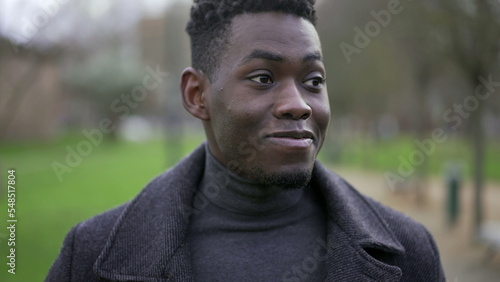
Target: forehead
{"type": "Point", "coordinates": [284, 34]}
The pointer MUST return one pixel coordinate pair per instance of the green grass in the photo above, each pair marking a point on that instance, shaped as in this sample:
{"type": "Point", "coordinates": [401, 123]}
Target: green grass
{"type": "Point", "coordinates": [47, 208]}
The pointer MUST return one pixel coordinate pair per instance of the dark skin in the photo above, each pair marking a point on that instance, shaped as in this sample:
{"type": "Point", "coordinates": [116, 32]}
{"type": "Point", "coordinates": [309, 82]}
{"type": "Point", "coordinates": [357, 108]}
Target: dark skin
{"type": "Point", "coordinates": [266, 112]}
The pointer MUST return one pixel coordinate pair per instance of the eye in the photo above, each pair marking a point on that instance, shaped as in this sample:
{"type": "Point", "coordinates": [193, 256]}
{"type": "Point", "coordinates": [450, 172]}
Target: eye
{"type": "Point", "coordinates": [262, 79]}
{"type": "Point", "coordinates": [315, 82]}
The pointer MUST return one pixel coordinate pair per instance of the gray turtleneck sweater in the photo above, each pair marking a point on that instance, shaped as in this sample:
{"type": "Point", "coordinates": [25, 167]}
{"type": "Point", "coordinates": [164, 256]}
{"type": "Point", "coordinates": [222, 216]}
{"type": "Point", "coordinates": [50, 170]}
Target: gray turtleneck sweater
{"type": "Point", "coordinates": [248, 232]}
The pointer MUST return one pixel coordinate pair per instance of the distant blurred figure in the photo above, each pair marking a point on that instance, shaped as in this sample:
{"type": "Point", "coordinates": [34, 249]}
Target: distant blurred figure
{"type": "Point", "coordinates": [454, 171]}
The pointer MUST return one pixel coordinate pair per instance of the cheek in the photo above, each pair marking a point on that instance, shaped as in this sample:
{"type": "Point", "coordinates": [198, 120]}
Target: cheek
{"type": "Point", "coordinates": [321, 111]}
{"type": "Point", "coordinates": [325, 115]}
{"type": "Point", "coordinates": [231, 120]}
{"type": "Point", "coordinates": [240, 107]}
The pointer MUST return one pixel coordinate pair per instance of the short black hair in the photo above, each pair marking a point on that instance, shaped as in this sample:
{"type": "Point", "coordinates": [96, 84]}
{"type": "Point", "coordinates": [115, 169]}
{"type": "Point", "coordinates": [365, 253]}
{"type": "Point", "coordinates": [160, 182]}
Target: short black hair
{"type": "Point", "coordinates": [210, 21]}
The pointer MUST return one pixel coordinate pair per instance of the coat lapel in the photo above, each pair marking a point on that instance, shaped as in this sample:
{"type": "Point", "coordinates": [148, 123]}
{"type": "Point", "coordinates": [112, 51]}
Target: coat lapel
{"type": "Point", "coordinates": [354, 230]}
{"type": "Point", "coordinates": [148, 243]}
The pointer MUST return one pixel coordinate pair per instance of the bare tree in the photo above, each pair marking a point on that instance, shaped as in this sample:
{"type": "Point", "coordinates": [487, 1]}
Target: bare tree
{"type": "Point", "coordinates": [468, 33]}
{"type": "Point", "coordinates": [474, 43]}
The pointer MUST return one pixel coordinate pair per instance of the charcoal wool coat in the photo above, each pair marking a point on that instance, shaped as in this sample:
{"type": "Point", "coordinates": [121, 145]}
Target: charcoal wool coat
{"type": "Point", "coordinates": [146, 239]}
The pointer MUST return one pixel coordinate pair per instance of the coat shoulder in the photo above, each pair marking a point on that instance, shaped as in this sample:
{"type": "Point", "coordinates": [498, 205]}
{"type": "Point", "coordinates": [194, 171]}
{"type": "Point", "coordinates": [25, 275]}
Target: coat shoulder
{"type": "Point", "coordinates": [87, 241]}
{"type": "Point", "coordinates": [404, 227]}
{"type": "Point", "coordinates": [82, 246]}
{"type": "Point", "coordinates": [96, 230]}
{"type": "Point", "coordinates": [421, 257]}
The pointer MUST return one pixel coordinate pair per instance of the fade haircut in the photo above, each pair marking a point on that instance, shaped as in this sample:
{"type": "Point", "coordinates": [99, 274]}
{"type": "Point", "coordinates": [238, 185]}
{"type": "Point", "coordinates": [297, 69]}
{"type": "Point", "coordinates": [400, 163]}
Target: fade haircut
{"type": "Point", "coordinates": [209, 26]}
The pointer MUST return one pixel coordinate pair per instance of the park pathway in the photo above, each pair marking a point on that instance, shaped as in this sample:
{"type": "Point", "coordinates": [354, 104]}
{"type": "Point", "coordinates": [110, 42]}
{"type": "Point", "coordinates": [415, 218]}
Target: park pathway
{"type": "Point", "coordinates": [463, 259]}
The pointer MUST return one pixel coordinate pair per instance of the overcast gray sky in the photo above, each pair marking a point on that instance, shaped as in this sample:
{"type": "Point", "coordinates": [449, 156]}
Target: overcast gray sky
{"type": "Point", "coordinates": [52, 21]}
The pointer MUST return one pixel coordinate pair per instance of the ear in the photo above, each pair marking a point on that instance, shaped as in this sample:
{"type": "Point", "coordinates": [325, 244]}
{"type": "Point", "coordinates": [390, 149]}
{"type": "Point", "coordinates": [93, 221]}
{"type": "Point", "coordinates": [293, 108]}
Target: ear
{"type": "Point", "coordinates": [193, 89]}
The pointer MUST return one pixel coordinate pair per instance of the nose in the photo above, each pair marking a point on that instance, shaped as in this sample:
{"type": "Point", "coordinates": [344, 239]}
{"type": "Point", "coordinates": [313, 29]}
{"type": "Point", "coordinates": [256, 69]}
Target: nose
{"type": "Point", "coordinates": [290, 103]}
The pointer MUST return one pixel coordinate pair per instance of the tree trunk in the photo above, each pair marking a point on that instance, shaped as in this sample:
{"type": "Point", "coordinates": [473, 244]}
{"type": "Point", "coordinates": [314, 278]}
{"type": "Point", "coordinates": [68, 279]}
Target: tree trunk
{"type": "Point", "coordinates": [478, 162]}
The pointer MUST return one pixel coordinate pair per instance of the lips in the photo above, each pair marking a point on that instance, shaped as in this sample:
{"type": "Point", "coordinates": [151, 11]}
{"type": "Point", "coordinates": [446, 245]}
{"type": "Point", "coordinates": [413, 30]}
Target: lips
{"type": "Point", "coordinates": [292, 139]}
{"type": "Point", "coordinates": [303, 134]}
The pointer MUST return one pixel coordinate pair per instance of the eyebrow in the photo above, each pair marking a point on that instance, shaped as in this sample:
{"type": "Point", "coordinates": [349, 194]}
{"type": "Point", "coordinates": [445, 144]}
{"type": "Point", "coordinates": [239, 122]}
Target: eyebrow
{"type": "Point", "coordinates": [313, 57]}
{"type": "Point", "coordinates": [270, 56]}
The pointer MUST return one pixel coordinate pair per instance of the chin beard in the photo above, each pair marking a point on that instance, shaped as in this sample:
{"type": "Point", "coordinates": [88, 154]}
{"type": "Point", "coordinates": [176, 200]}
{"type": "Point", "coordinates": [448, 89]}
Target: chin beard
{"type": "Point", "coordinates": [284, 180]}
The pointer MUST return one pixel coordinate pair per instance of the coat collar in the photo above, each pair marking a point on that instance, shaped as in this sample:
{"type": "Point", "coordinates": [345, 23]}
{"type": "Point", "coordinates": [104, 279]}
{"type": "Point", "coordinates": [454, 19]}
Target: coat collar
{"type": "Point", "coordinates": [148, 242]}
{"type": "Point", "coordinates": [355, 228]}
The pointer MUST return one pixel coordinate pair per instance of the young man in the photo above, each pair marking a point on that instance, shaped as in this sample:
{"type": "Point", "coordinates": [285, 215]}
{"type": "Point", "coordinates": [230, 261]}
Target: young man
{"type": "Point", "coordinates": [252, 204]}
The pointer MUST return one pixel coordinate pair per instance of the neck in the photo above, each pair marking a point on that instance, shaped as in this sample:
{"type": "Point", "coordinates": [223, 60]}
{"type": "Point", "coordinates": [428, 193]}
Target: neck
{"type": "Point", "coordinates": [231, 192]}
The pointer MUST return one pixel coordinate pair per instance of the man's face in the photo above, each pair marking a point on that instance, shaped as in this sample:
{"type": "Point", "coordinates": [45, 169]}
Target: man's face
{"type": "Point", "coordinates": [268, 104]}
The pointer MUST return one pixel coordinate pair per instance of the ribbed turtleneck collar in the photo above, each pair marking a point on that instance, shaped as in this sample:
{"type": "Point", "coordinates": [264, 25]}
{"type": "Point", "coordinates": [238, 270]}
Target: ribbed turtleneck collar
{"type": "Point", "coordinates": [233, 193]}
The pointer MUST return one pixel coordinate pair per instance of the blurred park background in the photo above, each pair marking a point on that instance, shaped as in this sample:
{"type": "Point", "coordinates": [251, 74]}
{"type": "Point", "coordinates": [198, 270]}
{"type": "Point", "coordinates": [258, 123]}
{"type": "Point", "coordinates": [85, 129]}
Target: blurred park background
{"type": "Point", "coordinates": [90, 111]}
